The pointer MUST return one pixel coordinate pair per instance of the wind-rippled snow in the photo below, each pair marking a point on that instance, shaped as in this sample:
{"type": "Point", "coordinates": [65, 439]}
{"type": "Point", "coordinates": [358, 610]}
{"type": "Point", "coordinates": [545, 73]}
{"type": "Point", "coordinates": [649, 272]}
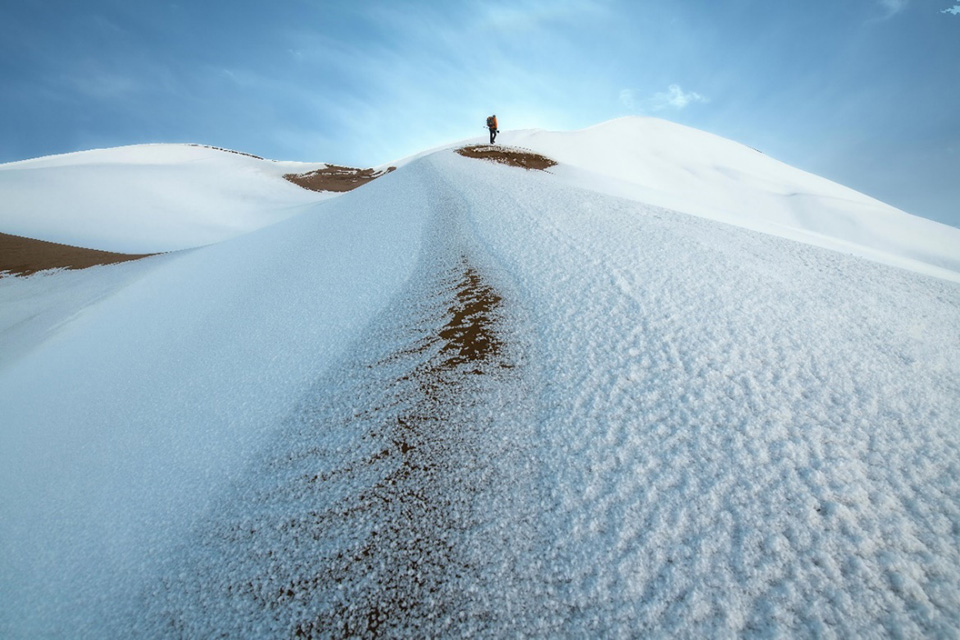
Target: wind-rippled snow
{"type": "Point", "coordinates": [739, 434]}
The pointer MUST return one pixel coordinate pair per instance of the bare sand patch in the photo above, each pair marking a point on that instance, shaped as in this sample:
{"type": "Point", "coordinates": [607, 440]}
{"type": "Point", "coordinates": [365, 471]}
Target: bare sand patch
{"type": "Point", "coordinates": [405, 566]}
{"type": "Point", "coordinates": [507, 155]}
{"type": "Point", "coordinates": [372, 532]}
{"type": "Point", "coordinates": [335, 178]}
{"type": "Point", "coordinates": [24, 256]}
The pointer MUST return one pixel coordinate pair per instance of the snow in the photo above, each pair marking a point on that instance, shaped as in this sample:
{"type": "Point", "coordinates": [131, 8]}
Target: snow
{"type": "Point", "coordinates": [123, 419]}
{"type": "Point", "coordinates": [738, 433]}
{"type": "Point", "coordinates": [665, 164]}
{"type": "Point", "coordinates": [147, 198]}
{"type": "Point", "coordinates": [685, 428]}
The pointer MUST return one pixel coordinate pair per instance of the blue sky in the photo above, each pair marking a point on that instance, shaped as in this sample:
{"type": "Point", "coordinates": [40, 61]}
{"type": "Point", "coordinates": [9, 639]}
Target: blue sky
{"type": "Point", "coordinates": [864, 92]}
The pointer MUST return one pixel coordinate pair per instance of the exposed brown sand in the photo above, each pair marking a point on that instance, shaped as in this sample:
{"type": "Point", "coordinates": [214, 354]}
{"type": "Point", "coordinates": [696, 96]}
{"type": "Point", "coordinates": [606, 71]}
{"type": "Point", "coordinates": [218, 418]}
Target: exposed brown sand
{"type": "Point", "coordinates": [507, 155]}
{"type": "Point", "coordinates": [23, 256]}
{"type": "Point", "coordinates": [376, 538]}
{"type": "Point", "coordinates": [414, 545]}
{"type": "Point", "coordinates": [335, 178]}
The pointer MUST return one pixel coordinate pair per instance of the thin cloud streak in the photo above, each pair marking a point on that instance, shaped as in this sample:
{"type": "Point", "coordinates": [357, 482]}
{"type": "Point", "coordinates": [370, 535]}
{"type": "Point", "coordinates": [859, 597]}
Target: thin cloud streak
{"type": "Point", "coordinates": [893, 7]}
{"type": "Point", "coordinates": [673, 98]}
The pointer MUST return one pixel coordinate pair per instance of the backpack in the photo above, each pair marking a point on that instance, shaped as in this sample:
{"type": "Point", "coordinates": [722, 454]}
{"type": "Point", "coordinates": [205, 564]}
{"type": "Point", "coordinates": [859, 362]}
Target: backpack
{"type": "Point", "coordinates": [492, 122]}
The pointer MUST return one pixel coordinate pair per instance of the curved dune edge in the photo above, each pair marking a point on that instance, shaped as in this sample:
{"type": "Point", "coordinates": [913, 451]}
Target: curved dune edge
{"type": "Point", "coordinates": [24, 256]}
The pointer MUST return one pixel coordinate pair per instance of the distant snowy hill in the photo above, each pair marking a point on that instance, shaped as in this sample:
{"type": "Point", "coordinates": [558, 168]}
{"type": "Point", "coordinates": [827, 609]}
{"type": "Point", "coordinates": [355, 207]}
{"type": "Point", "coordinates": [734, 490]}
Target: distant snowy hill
{"type": "Point", "coordinates": [147, 198]}
{"type": "Point", "coordinates": [163, 197]}
{"type": "Point", "coordinates": [665, 164]}
{"type": "Point", "coordinates": [470, 400]}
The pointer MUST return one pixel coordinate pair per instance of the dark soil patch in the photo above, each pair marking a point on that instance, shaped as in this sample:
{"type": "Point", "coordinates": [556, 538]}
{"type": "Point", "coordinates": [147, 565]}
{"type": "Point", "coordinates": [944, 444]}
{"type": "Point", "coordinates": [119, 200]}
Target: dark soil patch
{"type": "Point", "coordinates": [507, 155]}
{"type": "Point", "coordinates": [24, 256]}
{"type": "Point", "coordinates": [366, 518]}
{"type": "Point", "coordinates": [335, 178]}
{"type": "Point", "coordinates": [408, 565]}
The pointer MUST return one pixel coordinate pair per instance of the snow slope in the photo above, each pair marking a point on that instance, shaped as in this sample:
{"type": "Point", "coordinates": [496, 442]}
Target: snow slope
{"type": "Point", "coordinates": [737, 434]}
{"type": "Point", "coordinates": [141, 396]}
{"type": "Point", "coordinates": [658, 162]}
{"type": "Point", "coordinates": [687, 428]}
{"type": "Point", "coordinates": [147, 198]}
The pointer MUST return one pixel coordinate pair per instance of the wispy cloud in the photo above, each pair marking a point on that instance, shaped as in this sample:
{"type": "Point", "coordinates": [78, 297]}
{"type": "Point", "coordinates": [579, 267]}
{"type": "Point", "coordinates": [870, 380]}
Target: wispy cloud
{"type": "Point", "coordinates": [526, 15]}
{"type": "Point", "coordinates": [673, 98]}
{"type": "Point", "coordinates": [893, 7]}
{"type": "Point", "coordinates": [102, 84]}
{"type": "Point", "coordinates": [955, 10]}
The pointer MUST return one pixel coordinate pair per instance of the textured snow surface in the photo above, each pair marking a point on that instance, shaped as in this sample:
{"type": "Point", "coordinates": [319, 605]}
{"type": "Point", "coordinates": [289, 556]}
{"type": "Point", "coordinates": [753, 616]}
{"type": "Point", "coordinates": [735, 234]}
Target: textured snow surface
{"type": "Point", "coordinates": [147, 198]}
{"type": "Point", "coordinates": [677, 427]}
{"type": "Point", "coordinates": [399, 498]}
{"type": "Point", "coordinates": [736, 433]}
{"type": "Point", "coordinates": [143, 395]}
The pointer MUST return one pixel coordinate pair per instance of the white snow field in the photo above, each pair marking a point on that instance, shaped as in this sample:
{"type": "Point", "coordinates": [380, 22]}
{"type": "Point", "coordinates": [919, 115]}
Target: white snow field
{"type": "Point", "coordinates": [473, 400]}
{"type": "Point", "coordinates": [147, 198]}
{"type": "Point", "coordinates": [676, 167]}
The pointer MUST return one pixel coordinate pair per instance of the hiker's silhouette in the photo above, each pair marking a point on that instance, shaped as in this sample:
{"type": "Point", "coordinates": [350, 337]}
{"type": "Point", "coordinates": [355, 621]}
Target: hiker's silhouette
{"type": "Point", "coordinates": [492, 125]}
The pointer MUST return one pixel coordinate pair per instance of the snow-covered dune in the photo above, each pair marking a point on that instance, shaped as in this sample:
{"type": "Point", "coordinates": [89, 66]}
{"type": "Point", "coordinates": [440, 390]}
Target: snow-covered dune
{"type": "Point", "coordinates": [669, 165]}
{"type": "Point", "coordinates": [473, 400]}
{"type": "Point", "coordinates": [147, 198]}
{"type": "Point", "coordinates": [129, 394]}
{"type": "Point", "coordinates": [163, 197]}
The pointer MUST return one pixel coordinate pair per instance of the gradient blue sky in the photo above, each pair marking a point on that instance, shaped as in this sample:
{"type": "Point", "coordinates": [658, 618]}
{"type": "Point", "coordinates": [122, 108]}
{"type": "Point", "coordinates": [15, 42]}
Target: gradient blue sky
{"type": "Point", "coordinates": [865, 92]}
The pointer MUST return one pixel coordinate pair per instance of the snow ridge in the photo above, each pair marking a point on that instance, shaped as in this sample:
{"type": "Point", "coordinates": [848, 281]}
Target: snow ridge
{"type": "Point", "coordinates": [377, 509]}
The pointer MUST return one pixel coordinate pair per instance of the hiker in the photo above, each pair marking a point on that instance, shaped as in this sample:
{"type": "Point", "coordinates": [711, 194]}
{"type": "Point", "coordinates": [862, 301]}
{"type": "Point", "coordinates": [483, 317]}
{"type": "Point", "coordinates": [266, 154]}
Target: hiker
{"type": "Point", "coordinates": [492, 125]}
